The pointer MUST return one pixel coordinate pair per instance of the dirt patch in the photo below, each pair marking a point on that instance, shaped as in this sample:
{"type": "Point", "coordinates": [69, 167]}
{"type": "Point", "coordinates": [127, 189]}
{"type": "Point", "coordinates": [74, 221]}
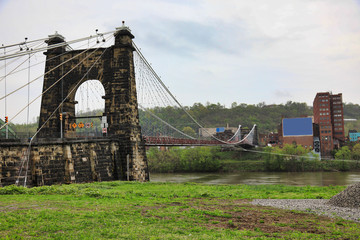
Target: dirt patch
{"type": "Point", "coordinates": [241, 215]}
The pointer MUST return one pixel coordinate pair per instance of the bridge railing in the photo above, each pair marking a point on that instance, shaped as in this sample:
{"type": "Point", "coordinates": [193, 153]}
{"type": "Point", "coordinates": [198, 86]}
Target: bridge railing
{"type": "Point", "coordinates": [170, 141]}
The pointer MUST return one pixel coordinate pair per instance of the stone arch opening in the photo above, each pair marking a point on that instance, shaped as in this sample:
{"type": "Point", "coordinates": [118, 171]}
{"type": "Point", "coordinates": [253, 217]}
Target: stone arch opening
{"type": "Point", "coordinates": [89, 107]}
{"type": "Point", "coordinates": [89, 98]}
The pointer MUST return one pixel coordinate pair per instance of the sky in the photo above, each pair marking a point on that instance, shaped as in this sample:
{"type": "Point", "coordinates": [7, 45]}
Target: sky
{"type": "Point", "coordinates": [217, 51]}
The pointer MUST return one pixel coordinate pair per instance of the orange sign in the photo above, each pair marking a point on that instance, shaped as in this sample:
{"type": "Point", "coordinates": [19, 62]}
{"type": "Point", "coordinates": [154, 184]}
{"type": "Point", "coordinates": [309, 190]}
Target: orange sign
{"type": "Point", "coordinates": [81, 125]}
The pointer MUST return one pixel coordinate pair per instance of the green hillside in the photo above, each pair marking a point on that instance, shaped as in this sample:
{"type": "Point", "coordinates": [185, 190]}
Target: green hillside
{"type": "Point", "coordinates": [266, 117]}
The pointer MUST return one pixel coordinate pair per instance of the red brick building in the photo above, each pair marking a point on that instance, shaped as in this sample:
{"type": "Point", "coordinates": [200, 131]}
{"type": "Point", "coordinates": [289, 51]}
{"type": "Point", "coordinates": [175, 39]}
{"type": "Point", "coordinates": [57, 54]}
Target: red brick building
{"type": "Point", "coordinates": [329, 115]}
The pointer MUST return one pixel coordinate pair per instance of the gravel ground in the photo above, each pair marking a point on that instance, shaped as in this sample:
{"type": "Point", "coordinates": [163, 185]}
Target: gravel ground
{"type": "Point", "coordinates": [317, 206]}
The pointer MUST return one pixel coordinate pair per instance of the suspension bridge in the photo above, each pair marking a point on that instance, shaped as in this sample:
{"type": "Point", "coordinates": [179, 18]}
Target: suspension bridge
{"type": "Point", "coordinates": [93, 92]}
{"type": "Point", "coordinates": [151, 93]}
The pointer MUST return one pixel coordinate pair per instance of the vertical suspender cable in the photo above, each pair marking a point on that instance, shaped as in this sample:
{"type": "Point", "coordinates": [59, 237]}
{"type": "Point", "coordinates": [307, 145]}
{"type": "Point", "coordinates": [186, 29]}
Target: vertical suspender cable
{"type": "Point", "coordinates": [28, 100]}
{"type": "Point", "coordinates": [61, 108]}
{"type": "Point", "coordinates": [87, 85]}
{"type": "Point", "coordinates": [7, 124]}
{"type": "Point", "coordinates": [27, 123]}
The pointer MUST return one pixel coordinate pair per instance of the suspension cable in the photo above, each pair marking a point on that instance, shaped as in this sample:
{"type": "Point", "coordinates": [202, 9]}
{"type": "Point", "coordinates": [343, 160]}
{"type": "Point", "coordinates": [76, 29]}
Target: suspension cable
{"type": "Point", "coordinates": [235, 134]}
{"type": "Point", "coordinates": [22, 43]}
{"type": "Point", "coordinates": [172, 96]}
{"type": "Point", "coordinates": [50, 86]}
{"type": "Point", "coordinates": [45, 73]}
{"type": "Point", "coordinates": [13, 71]}
{"type": "Point", "coordinates": [52, 46]}
{"type": "Point", "coordinates": [167, 124]}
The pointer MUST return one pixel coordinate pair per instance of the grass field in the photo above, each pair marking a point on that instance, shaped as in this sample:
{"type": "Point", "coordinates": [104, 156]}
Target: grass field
{"type": "Point", "coordinates": [132, 210]}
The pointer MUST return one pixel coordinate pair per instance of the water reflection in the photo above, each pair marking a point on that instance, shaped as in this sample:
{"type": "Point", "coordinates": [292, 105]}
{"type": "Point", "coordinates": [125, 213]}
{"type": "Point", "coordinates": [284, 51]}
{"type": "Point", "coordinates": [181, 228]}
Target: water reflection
{"type": "Point", "coordinates": [257, 178]}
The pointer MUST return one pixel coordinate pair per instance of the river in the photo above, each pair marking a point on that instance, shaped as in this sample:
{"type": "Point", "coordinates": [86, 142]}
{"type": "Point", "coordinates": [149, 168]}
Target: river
{"type": "Point", "coordinates": [257, 178]}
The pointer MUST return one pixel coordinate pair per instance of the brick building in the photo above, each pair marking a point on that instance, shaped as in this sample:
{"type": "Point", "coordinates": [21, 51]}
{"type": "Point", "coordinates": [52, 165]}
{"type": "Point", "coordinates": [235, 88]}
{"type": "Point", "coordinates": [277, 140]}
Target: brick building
{"type": "Point", "coordinates": [329, 115]}
{"type": "Point", "coordinates": [297, 131]}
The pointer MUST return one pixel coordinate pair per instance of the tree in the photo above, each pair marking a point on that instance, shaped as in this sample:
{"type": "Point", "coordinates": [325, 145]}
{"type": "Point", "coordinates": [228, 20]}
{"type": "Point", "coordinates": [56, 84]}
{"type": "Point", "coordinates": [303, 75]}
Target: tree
{"type": "Point", "coordinates": [343, 153]}
{"type": "Point", "coordinates": [356, 152]}
{"type": "Point", "coordinates": [189, 131]}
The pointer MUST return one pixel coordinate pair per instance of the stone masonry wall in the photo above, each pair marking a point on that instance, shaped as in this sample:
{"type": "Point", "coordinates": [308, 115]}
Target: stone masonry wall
{"type": "Point", "coordinates": [60, 162]}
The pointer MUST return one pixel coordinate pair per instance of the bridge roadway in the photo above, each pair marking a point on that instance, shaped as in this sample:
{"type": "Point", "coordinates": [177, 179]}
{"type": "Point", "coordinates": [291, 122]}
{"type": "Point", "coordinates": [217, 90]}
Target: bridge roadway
{"type": "Point", "coordinates": [169, 141]}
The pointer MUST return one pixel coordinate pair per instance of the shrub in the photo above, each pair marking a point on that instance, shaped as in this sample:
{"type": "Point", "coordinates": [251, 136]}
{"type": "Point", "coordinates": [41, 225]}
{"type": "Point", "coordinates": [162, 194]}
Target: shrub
{"type": "Point", "coordinates": [175, 159]}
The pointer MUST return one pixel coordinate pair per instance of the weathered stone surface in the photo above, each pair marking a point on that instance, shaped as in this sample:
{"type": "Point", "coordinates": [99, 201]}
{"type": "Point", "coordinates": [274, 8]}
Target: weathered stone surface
{"type": "Point", "coordinates": [69, 161]}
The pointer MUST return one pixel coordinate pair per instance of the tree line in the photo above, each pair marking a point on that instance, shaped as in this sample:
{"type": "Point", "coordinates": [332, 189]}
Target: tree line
{"type": "Point", "coordinates": [266, 117]}
{"type": "Point", "coordinates": [290, 158]}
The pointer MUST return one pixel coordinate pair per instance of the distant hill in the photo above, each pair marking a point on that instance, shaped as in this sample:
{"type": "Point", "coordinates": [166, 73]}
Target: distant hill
{"type": "Point", "coordinates": [266, 117]}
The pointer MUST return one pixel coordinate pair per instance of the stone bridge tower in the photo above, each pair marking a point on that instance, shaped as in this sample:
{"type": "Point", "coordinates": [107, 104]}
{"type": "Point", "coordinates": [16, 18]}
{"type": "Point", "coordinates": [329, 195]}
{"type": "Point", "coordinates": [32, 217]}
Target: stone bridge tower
{"type": "Point", "coordinates": [114, 68]}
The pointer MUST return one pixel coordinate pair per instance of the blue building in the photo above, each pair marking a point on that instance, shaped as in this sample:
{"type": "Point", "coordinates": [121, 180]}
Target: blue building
{"type": "Point", "coordinates": [354, 136]}
{"type": "Point", "coordinates": [298, 131]}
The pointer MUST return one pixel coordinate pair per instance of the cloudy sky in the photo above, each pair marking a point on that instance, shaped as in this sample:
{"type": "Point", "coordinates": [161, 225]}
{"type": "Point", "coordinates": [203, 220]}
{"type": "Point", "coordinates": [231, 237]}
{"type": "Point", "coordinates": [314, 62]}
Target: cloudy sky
{"type": "Point", "coordinates": [224, 51]}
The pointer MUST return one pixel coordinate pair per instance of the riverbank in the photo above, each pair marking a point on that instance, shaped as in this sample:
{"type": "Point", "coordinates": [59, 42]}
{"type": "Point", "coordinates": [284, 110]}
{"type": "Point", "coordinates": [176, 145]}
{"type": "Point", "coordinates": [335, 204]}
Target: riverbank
{"type": "Point", "coordinates": [262, 178]}
{"type": "Point", "coordinates": [132, 210]}
{"type": "Point", "coordinates": [215, 159]}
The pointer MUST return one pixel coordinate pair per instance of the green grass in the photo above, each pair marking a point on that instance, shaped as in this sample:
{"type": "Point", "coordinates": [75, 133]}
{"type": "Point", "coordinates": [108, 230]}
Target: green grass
{"type": "Point", "coordinates": [132, 210]}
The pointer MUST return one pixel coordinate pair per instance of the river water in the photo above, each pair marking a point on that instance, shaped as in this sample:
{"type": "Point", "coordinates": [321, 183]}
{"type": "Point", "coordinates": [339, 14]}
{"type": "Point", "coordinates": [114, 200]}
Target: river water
{"type": "Point", "coordinates": [256, 178]}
